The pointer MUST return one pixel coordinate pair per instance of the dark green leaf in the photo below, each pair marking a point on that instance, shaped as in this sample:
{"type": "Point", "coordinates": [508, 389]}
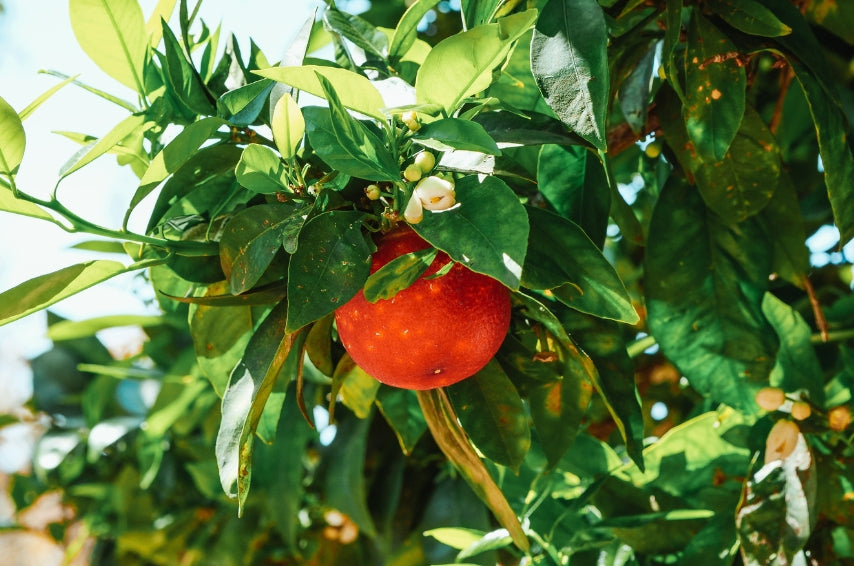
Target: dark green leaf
{"type": "Point", "coordinates": [184, 79]}
{"type": "Point", "coordinates": [562, 258]}
{"type": "Point", "coordinates": [493, 416]}
{"type": "Point", "coordinates": [357, 30]}
{"type": "Point", "coordinates": [743, 182]}
{"type": "Point", "coordinates": [330, 265]}
{"type": "Point", "coordinates": [531, 129]}
{"type": "Point", "coordinates": [251, 239]}
{"type": "Point", "coordinates": [750, 17]}
{"type": "Point", "coordinates": [261, 171]}
{"type": "Point", "coordinates": [715, 85]}
{"type": "Point", "coordinates": [348, 145]}
{"type": "Point", "coordinates": [573, 181]}
{"type": "Point", "coordinates": [783, 226]}
{"type": "Point", "coordinates": [398, 274]}
{"type": "Point", "coordinates": [400, 408]}
{"type": "Point", "coordinates": [705, 279]}
{"type": "Point", "coordinates": [557, 409]}
{"type": "Point", "coordinates": [634, 93]}
{"type": "Point", "coordinates": [570, 63]}
{"type": "Point", "coordinates": [836, 155]}
{"type": "Point", "coordinates": [242, 106]}
{"type": "Point", "coordinates": [487, 232]}
{"type": "Point", "coordinates": [454, 133]}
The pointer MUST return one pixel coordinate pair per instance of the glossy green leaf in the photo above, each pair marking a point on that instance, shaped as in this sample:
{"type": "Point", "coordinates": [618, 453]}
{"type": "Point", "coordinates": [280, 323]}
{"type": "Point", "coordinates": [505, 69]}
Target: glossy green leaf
{"type": "Point", "coordinates": [570, 63]}
{"type": "Point", "coordinates": [573, 181]}
{"type": "Point", "coordinates": [243, 402]}
{"type": "Point", "coordinates": [345, 477]}
{"type": "Point", "coordinates": [783, 225]}
{"type": "Point", "coordinates": [493, 416]}
{"type": "Point", "coordinates": [354, 91]}
{"type": "Point", "coordinates": [251, 239]}
{"type": "Point", "coordinates": [774, 518]}
{"type": "Point", "coordinates": [113, 36]}
{"type": "Point", "coordinates": [455, 133]}
{"type": "Point", "coordinates": [40, 292]}
{"type": "Point", "coordinates": [743, 182]}
{"type": "Point", "coordinates": [261, 171]}
{"type": "Point", "coordinates": [406, 32]}
{"type": "Point", "coordinates": [242, 106]}
{"type": "Point", "coordinates": [173, 156]}
{"type": "Point", "coordinates": [533, 128]}
{"type": "Point", "coordinates": [329, 266]}
{"type": "Point", "coordinates": [634, 93]}
{"type": "Point", "coordinates": [400, 409]}
{"type": "Point", "coordinates": [750, 17]}
{"type": "Point", "coordinates": [797, 368]}
{"type": "Point", "coordinates": [705, 279]}
{"type": "Point", "coordinates": [715, 86]}
{"type": "Point", "coordinates": [398, 274]}
{"type": "Point", "coordinates": [487, 232]}
{"type": "Point", "coordinates": [359, 31]}
{"type": "Point", "coordinates": [183, 78]}
{"type": "Point", "coordinates": [12, 140]}
{"type": "Point", "coordinates": [557, 409]}
{"type": "Point", "coordinates": [462, 64]}
{"type": "Point", "coordinates": [288, 126]}
{"type": "Point", "coordinates": [836, 154]}
{"type": "Point", "coordinates": [562, 258]}
{"type": "Point", "coordinates": [220, 334]}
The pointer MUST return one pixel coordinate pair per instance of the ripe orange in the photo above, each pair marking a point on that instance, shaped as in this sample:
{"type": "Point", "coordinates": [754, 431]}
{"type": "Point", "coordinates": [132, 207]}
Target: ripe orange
{"type": "Point", "coordinates": [433, 333]}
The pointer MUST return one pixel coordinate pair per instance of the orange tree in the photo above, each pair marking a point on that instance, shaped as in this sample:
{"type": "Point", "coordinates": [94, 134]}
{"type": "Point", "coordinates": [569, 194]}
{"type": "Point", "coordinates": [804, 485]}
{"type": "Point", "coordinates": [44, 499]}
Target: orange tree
{"type": "Point", "coordinates": [625, 188]}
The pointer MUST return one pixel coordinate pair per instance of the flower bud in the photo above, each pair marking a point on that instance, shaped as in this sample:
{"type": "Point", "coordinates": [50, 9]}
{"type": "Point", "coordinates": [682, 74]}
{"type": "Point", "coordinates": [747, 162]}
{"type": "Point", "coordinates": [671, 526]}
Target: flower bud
{"type": "Point", "coordinates": [435, 193]}
{"type": "Point", "coordinates": [372, 192]}
{"type": "Point", "coordinates": [414, 212]}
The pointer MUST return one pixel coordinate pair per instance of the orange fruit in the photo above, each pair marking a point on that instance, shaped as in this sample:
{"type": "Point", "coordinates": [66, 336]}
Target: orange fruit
{"type": "Point", "coordinates": [433, 333]}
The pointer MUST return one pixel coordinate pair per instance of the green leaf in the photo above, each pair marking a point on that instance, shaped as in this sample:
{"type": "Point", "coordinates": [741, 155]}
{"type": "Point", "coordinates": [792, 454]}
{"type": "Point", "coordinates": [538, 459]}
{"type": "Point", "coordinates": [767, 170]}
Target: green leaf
{"type": "Point", "coordinates": [251, 239]}
{"type": "Point", "coordinates": [184, 79]}
{"type": "Point", "coordinates": [361, 32]}
{"type": "Point", "coordinates": [562, 258]}
{"type": "Point", "coordinates": [173, 156]}
{"type": "Point", "coordinates": [478, 12]}
{"type": "Point", "coordinates": [398, 274]}
{"type": "Point", "coordinates": [774, 518]}
{"type": "Point", "coordinates": [71, 329]}
{"type": "Point", "coordinates": [358, 390]}
{"type": "Point", "coordinates": [487, 232]}
{"type": "Point", "coordinates": [573, 181]}
{"type": "Point", "coordinates": [400, 409]}
{"type": "Point", "coordinates": [705, 279]}
{"type": "Point", "coordinates": [750, 17]}
{"type": "Point", "coordinates": [743, 182]}
{"type": "Point", "coordinates": [345, 477]}
{"type": "Point", "coordinates": [532, 128]}
{"type": "Point", "coordinates": [10, 203]}
{"type": "Point", "coordinates": [456, 537]}
{"type": "Point", "coordinates": [330, 265]}
{"type": "Point", "coordinates": [406, 32]}
{"type": "Point", "coordinates": [248, 388]}
{"type": "Point", "coordinates": [220, 334]}
{"type": "Point", "coordinates": [288, 126]}
{"type": "Point", "coordinates": [455, 133]}
{"type": "Point", "coordinates": [570, 63]}
{"type": "Point", "coordinates": [715, 86]}
{"type": "Point", "coordinates": [261, 171]}
{"type": "Point", "coordinates": [797, 368]}
{"type": "Point", "coordinates": [493, 416]}
{"type": "Point", "coordinates": [12, 140]}
{"type": "Point", "coordinates": [634, 93]}
{"type": "Point", "coordinates": [42, 291]}
{"type": "Point", "coordinates": [783, 226]}
{"type": "Point", "coordinates": [105, 144]}
{"type": "Point", "coordinates": [836, 154]}
{"type": "Point", "coordinates": [557, 409]}
{"type": "Point", "coordinates": [242, 106]}
{"type": "Point", "coordinates": [355, 91]}
{"type": "Point", "coordinates": [113, 36]}
{"type": "Point", "coordinates": [461, 65]}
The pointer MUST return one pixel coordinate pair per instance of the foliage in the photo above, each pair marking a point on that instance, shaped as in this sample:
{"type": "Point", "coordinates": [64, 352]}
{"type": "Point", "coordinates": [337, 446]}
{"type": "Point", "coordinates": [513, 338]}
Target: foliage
{"type": "Point", "coordinates": [641, 175]}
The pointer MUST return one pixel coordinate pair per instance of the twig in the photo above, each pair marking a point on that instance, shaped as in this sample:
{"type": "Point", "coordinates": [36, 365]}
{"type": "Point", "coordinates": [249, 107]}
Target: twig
{"type": "Point", "coordinates": [820, 321]}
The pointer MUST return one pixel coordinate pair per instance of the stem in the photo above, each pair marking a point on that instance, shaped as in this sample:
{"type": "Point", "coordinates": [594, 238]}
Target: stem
{"type": "Point", "coordinates": [785, 81]}
{"type": "Point", "coordinates": [820, 321]}
{"type": "Point", "coordinates": [640, 345]}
